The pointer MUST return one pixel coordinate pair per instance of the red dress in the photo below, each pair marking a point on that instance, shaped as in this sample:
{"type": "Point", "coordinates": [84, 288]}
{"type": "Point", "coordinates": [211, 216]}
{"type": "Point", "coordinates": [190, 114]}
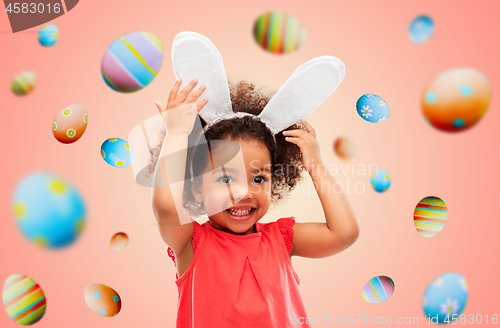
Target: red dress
{"type": "Point", "coordinates": [240, 280]}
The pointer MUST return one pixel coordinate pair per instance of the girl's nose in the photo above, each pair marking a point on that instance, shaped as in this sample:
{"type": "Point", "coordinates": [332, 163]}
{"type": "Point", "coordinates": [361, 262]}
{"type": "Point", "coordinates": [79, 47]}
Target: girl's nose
{"type": "Point", "coordinates": [241, 191]}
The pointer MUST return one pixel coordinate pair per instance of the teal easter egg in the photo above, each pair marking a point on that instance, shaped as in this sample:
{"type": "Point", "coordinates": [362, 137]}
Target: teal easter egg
{"type": "Point", "coordinates": [372, 108]}
{"type": "Point", "coordinates": [380, 180]}
{"type": "Point", "coordinates": [48, 210]}
{"type": "Point", "coordinates": [421, 29]}
{"type": "Point", "coordinates": [132, 61]}
{"type": "Point", "coordinates": [378, 289]}
{"type": "Point", "coordinates": [117, 152]}
{"type": "Point", "coordinates": [23, 299]}
{"type": "Point", "coordinates": [48, 35]}
{"type": "Point", "coordinates": [445, 298]}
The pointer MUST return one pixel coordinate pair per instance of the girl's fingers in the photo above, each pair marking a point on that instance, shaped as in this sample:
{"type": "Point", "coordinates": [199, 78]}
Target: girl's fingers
{"type": "Point", "coordinates": [308, 127]}
{"type": "Point", "coordinates": [161, 109]}
{"type": "Point", "coordinates": [296, 141]}
{"type": "Point", "coordinates": [196, 94]}
{"type": "Point", "coordinates": [181, 97]}
{"type": "Point", "coordinates": [298, 134]}
{"type": "Point", "coordinates": [174, 91]}
{"type": "Point", "coordinates": [201, 104]}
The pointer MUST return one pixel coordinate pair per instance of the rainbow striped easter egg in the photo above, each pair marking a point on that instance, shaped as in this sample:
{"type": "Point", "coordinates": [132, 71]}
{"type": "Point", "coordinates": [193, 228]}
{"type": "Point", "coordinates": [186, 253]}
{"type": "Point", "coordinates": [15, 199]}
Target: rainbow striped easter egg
{"type": "Point", "coordinates": [23, 299]}
{"type": "Point", "coordinates": [132, 61]}
{"type": "Point", "coordinates": [378, 289]}
{"type": "Point", "coordinates": [430, 216]}
{"type": "Point", "coordinates": [23, 83]}
{"type": "Point", "coordinates": [278, 32]}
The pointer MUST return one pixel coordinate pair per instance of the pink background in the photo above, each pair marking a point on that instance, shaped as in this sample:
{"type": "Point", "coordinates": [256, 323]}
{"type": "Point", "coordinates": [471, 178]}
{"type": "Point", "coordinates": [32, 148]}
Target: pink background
{"type": "Point", "coordinates": [371, 38]}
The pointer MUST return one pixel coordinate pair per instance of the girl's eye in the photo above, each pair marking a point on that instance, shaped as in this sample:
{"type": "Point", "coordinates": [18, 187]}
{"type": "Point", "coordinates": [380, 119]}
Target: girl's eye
{"type": "Point", "coordinates": [259, 179]}
{"type": "Point", "coordinates": [225, 179]}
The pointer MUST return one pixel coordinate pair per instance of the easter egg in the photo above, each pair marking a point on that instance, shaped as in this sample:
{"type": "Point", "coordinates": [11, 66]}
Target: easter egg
{"type": "Point", "coordinates": [23, 299]}
{"type": "Point", "coordinates": [119, 241]}
{"type": "Point", "coordinates": [380, 180]}
{"type": "Point", "coordinates": [456, 100]}
{"type": "Point", "coordinates": [48, 35]}
{"type": "Point", "coordinates": [344, 148]}
{"type": "Point", "coordinates": [70, 124]}
{"type": "Point", "coordinates": [132, 61]}
{"type": "Point", "coordinates": [48, 210]}
{"type": "Point", "coordinates": [378, 289]}
{"type": "Point", "coordinates": [117, 152]}
{"type": "Point", "coordinates": [421, 29]}
{"type": "Point", "coordinates": [430, 216]}
{"type": "Point", "coordinates": [23, 83]}
{"type": "Point", "coordinates": [278, 32]}
{"type": "Point", "coordinates": [102, 299]}
{"type": "Point", "coordinates": [445, 298]}
{"type": "Point", "coordinates": [372, 108]}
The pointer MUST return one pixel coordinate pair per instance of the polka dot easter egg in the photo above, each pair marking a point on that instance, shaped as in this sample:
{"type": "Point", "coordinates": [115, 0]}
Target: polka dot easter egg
{"type": "Point", "coordinates": [421, 29]}
{"type": "Point", "coordinates": [278, 32]}
{"type": "Point", "coordinates": [132, 61]}
{"type": "Point", "coordinates": [70, 124]}
{"type": "Point", "coordinates": [378, 289]}
{"type": "Point", "coordinates": [456, 100]}
{"type": "Point", "coordinates": [23, 299]}
{"type": "Point", "coordinates": [445, 298]}
{"type": "Point", "coordinates": [117, 152]}
{"type": "Point", "coordinates": [430, 216]}
{"type": "Point", "coordinates": [48, 210]}
{"type": "Point", "coordinates": [372, 108]}
{"type": "Point", "coordinates": [344, 148]}
{"type": "Point", "coordinates": [23, 83]}
{"type": "Point", "coordinates": [48, 35]}
{"type": "Point", "coordinates": [380, 180]}
{"type": "Point", "coordinates": [102, 299]}
{"type": "Point", "coordinates": [119, 241]}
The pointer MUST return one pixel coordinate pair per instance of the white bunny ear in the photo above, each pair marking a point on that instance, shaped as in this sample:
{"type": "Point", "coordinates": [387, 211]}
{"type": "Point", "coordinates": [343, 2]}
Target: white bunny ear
{"type": "Point", "coordinates": [308, 87]}
{"type": "Point", "coordinates": [194, 56]}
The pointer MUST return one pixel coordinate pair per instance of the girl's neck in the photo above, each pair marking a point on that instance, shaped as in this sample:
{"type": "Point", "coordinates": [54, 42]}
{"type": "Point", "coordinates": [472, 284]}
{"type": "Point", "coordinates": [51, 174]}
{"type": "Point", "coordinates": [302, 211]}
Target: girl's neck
{"type": "Point", "coordinates": [221, 228]}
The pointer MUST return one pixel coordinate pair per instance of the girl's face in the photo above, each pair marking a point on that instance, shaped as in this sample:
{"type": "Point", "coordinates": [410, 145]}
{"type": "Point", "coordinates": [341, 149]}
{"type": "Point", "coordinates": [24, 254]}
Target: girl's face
{"type": "Point", "coordinates": [238, 194]}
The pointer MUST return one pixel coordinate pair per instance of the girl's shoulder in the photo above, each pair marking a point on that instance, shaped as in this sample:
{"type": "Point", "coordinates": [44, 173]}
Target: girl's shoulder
{"type": "Point", "coordinates": [285, 227]}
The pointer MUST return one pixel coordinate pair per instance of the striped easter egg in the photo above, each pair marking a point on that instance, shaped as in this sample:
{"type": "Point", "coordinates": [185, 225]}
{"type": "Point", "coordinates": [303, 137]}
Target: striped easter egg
{"type": "Point", "coordinates": [378, 289]}
{"type": "Point", "coordinates": [23, 83]}
{"type": "Point", "coordinates": [430, 216]}
{"type": "Point", "coordinates": [132, 61]}
{"type": "Point", "coordinates": [278, 32]}
{"type": "Point", "coordinates": [23, 299]}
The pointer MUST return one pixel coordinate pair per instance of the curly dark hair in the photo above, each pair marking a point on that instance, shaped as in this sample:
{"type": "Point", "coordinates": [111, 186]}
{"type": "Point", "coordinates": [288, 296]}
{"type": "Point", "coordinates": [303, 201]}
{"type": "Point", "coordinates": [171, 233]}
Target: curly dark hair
{"type": "Point", "coordinates": [286, 161]}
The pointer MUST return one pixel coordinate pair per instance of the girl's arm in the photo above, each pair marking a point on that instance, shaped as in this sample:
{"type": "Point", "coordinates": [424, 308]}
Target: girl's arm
{"type": "Point", "coordinates": [341, 229]}
{"type": "Point", "coordinates": [179, 117]}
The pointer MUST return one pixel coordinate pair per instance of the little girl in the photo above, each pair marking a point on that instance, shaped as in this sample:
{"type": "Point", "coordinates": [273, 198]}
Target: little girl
{"type": "Point", "coordinates": [232, 270]}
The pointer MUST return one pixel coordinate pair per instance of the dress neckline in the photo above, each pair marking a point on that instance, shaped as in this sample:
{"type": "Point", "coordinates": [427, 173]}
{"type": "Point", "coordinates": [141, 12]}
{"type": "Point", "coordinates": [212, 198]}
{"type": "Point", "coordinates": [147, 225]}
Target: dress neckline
{"type": "Point", "coordinates": [258, 232]}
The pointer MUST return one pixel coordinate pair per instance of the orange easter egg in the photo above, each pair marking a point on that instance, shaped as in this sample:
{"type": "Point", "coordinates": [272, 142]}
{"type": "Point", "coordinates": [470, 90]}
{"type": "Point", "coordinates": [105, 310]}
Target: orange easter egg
{"type": "Point", "coordinates": [102, 299]}
{"type": "Point", "coordinates": [70, 124]}
{"type": "Point", "coordinates": [118, 241]}
{"type": "Point", "coordinates": [456, 100]}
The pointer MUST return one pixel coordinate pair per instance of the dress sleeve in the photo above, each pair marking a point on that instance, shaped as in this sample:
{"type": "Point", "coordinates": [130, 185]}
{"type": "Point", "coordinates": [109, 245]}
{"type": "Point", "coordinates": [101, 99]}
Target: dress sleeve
{"type": "Point", "coordinates": [286, 228]}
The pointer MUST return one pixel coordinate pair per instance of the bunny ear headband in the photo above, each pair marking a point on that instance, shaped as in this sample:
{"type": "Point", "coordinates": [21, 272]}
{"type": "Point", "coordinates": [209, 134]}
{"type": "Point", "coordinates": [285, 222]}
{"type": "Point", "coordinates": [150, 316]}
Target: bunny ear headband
{"type": "Point", "coordinates": [194, 56]}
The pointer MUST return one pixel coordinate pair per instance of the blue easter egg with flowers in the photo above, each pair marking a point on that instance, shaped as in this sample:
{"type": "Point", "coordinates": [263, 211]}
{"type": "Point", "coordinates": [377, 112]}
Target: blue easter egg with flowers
{"type": "Point", "coordinates": [372, 108]}
{"type": "Point", "coordinates": [445, 298]}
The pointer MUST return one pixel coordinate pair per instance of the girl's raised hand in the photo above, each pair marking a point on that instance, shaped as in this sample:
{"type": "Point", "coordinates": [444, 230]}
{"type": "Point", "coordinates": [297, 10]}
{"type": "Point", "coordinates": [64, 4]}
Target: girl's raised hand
{"type": "Point", "coordinates": [180, 113]}
{"type": "Point", "coordinates": [309, 146]}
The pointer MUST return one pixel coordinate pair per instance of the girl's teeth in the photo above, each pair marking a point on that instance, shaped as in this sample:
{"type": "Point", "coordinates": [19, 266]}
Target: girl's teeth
{"type": "Point", "coordinates": [240, 213]}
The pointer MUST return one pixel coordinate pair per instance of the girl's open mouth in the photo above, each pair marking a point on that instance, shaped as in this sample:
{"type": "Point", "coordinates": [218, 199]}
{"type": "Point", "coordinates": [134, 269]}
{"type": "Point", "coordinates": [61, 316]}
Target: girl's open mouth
{"type": "Point", "coordinates": [240, 215]}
